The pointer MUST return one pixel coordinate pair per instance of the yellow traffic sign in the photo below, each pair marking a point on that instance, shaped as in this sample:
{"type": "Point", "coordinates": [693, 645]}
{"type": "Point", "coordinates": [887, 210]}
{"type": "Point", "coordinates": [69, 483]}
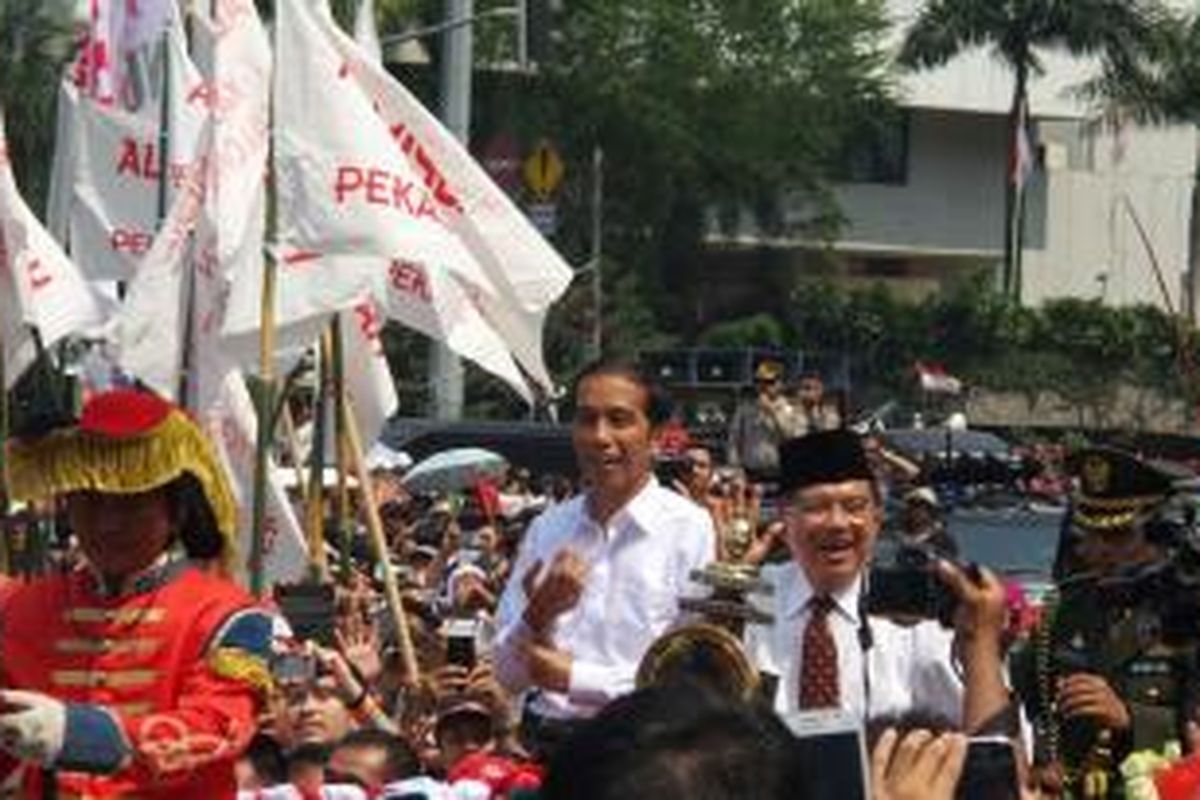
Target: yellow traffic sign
{"type": "Point", "coordinates": [543, 169]}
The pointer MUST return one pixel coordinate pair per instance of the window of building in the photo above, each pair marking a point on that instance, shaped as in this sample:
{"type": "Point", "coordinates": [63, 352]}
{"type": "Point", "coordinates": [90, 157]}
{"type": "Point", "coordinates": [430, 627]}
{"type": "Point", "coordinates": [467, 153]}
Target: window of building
{"type": "Point", "coordinates": [877, 153]}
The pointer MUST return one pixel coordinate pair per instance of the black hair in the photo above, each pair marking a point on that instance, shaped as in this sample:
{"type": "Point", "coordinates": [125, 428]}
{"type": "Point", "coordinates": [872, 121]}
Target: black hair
{"type": "Point", "coordinates": [401, 759]}
{"type": "Point", "coordinates": [194, 518]}
{"type": "Point", "coordinates": [266, 757]}
{"type": "Point", "coordinates": [675, 741]}
{"type": "Point", "coordinates": [313, 754]}
{"type": "Point", "coordinates": [658, 401]}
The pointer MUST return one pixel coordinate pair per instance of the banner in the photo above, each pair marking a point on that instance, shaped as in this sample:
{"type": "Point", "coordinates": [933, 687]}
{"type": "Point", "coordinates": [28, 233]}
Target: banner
{"type": "Point", "coordinates": [39, 286]}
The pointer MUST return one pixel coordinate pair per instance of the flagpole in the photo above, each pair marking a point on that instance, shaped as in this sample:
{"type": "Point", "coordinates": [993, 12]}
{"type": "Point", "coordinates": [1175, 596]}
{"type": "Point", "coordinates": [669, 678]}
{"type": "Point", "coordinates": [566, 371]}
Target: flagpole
{"type": "Point", "coordinates": [341, 504]}
{"type": "Point", "coordinates": [265, 396]}
{"type": "Point", "coordinates": [5, 551]}
{"type": "Point", "coordinates": [315, 522]}
{"type": "Point", "coordinates": [408, 657]}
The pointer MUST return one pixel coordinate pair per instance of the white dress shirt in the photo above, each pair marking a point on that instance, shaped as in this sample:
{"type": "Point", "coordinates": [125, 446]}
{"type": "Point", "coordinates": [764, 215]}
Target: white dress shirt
{"type": "Point", "coordinates": [639, 566]}
{"type": "Point", "coordinates": [906, 667]}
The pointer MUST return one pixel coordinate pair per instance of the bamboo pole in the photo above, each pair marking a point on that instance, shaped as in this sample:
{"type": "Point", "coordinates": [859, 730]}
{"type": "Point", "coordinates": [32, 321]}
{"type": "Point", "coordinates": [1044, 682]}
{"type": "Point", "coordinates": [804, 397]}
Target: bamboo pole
{"type": "Point", "coordinates": [342, 498]}
{"type": "Point", "coordinates": [315, 521]}
{"type": "Point", "coordinates": [408, 656]}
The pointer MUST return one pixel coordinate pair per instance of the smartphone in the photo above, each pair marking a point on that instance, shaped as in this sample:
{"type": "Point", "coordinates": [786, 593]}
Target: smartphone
{"type": "Point", "coordinates": [990, 771]}
{"type": "Point", "coordinates": [295, 667]}
{"type": "Point", "coordinates": [460, 643]}
{"type": "Point", "coordinates": [830, 744]}
{"type": "Point", "coordinates": [309, 609]}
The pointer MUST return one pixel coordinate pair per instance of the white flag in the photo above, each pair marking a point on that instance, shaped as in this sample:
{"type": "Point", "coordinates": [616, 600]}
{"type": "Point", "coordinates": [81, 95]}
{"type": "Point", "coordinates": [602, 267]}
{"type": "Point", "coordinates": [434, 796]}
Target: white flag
{"type": "Point", "coordinates": [117, 164]}
{"type": "Point", "coordinates": [365, 32]}
{"type": "Point", "coordinates": [365, 206]}
{"type": "Point", "coordinates": [39, 286]}
{"type": "Point", "coordinates": [233, 427]}
{"type": "Point", "coordinates": [369, 385]}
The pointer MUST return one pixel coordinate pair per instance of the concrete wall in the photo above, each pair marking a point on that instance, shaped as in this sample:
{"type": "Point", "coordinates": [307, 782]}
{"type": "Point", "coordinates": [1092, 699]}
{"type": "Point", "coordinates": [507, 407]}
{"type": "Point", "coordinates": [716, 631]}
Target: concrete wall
{"type": "Point", "coordinates": [1092, 247]}
{"type": "Point", "coordinates": [953, 199]}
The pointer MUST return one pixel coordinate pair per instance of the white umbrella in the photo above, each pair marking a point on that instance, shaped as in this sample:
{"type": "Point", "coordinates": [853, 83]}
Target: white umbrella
{"type": "Point", "coordinates": [454, 470]}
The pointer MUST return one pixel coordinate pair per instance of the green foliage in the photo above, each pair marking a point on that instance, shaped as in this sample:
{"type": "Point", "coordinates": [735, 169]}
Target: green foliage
{"type": "Point", "coordinates": [1080, 349]}
{"type": "Point", "coordinates": [35, 43]}
{"type": "Point", "coordinates": [759, 330]}
{"type": "Point", "coordinates": [700, 104]}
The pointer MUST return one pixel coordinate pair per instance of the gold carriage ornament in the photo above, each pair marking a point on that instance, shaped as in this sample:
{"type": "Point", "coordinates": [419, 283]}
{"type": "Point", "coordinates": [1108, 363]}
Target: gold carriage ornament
{"type": "Point", "coordinates": [709, 651]}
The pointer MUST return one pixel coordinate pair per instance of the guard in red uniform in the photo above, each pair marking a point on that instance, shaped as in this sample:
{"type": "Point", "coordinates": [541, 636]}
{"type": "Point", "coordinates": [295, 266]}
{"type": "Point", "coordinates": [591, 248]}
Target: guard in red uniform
{"type": "Point", "coordinates": [141, 673]}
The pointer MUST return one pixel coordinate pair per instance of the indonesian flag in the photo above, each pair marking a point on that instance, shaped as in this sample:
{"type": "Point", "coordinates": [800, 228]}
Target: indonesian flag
{"type": "Point", "coordinates": [40, 289]}
{"type": "Point", "coordinates": [934, 378]}
{"type": "Point", "coordinates": [1021, 159]}
{"type": "Point", "coordinates": [377, 198]}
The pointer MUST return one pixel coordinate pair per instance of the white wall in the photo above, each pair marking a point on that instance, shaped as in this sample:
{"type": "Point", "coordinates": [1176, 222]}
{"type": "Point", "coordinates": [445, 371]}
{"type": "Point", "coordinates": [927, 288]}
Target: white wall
{"type": "Point", "coordinates": [953, 199]}
{"type": "Point", "coordinates": [1089, 233]}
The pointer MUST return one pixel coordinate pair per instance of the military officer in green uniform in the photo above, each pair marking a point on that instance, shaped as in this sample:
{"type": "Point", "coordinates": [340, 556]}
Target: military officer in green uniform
{"type": "Point", "coordinates": [1110, 670]}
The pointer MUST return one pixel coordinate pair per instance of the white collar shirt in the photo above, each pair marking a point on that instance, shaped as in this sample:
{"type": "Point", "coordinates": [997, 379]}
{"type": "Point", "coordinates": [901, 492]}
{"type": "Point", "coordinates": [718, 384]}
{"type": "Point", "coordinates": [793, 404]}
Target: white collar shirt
{"type": "Point", "coordinates": [883, 668]}
{"type": "Point", "coordinates": [640, 563]}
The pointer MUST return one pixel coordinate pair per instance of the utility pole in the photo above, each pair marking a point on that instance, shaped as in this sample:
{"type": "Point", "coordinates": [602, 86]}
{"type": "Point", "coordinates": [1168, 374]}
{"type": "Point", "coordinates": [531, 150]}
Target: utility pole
{"type": "Point", "coordinates": [445, 368]}
{"type": "Point", "coordinates": [597, 252]}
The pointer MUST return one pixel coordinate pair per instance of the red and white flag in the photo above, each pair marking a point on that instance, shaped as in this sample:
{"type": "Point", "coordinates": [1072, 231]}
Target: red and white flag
{"type": "Point", "coordinates": [1022, 157]}
{"type": "Point", "coordinates": [40, 288]}
{"type": "Point", "coordinates": [934, 378]}
{"type": "Point", "coordinates": [376, 197]}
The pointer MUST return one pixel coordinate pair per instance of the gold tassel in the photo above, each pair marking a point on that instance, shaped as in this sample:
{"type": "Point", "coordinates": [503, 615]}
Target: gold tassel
{"type": "Point", "coordinates": [70, 461]}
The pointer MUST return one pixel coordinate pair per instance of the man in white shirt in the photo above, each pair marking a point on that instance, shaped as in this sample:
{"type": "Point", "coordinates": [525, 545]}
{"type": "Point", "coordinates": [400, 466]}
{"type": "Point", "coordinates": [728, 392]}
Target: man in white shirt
{"type": "Point", "coordinates": [823, 647]}
{"type": "Point", "coordinates": [598, 578]}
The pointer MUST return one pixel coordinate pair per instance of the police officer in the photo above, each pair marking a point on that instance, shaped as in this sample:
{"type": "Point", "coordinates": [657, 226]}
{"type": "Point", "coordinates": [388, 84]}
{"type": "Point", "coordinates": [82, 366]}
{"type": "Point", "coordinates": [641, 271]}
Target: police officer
{"type": "Point", "coordinates": [1108, 671]}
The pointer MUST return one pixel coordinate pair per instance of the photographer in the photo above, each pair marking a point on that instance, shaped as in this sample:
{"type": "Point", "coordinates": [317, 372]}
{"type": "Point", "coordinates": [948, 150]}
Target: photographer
{"type": "Point", "coordinates": [846, 659]}
{"type": "Point", "coordinates": [1112, 669]}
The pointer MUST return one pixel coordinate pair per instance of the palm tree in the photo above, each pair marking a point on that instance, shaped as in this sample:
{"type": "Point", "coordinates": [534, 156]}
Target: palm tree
{"type": "Point", "coordinates": [1119, 32]}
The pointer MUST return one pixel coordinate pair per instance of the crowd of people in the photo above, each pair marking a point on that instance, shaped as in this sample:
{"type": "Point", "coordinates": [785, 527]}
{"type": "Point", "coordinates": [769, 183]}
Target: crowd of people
{"type": "Point", "coordinates": [136, 666]}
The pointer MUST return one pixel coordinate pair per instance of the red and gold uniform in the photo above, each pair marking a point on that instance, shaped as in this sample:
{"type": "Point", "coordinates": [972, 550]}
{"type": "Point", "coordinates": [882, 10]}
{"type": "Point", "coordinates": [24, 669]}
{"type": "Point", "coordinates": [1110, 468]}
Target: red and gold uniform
{"type": "Point", "coordinates": [162, 685]}
{"type": "Point", "coordinates": [145, 683]}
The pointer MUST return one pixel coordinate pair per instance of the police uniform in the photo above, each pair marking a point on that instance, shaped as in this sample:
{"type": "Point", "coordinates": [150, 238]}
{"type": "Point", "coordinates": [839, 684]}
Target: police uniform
{"type": "Point", "coordinates": [1108, 623]}
{"type": "Point", "coordinates": [153, 686]}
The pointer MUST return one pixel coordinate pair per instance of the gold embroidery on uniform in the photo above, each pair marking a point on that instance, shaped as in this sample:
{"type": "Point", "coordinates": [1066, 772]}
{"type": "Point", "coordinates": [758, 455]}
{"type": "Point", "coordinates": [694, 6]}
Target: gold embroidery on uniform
{"type": "Point", "coordinates": [240, 665]}
{"type": "Point", "coordinates": [120, 616]}
{"type": "Point", "coordinates": [102, 646]}
{"type": "Point", "coordinates": [98, 678]}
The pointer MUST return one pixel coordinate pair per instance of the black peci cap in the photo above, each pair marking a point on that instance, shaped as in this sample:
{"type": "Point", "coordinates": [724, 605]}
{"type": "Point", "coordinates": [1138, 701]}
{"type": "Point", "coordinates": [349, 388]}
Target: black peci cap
{"type": "Point", "coordinates": [822, 457]}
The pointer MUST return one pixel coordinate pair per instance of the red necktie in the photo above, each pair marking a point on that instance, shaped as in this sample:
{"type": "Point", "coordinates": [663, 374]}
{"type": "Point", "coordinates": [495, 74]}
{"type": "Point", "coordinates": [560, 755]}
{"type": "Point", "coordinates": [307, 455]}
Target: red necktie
{"type": "Point", "coordinates": [819, 668]}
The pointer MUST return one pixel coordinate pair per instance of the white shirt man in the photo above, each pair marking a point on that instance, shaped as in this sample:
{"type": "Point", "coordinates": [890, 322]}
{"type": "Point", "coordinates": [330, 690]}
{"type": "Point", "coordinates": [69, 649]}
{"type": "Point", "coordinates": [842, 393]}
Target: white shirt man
{"type": "Point", "coordinates": [598, 578]}
{"type": "Point", "coordinates": [885, 669]}
{"type": "Point", "coordinates": [638, 566]}
{"type": "Point", "coordinates": [817, 644]}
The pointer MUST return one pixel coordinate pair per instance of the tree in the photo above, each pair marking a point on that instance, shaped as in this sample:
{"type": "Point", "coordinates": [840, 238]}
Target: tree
{"type": "Point", "coordinates": [707, 104]}
{"type": "Point", "coordinates": [35, 43]}
{"type": "Point", "coordinates": [1119, 32]}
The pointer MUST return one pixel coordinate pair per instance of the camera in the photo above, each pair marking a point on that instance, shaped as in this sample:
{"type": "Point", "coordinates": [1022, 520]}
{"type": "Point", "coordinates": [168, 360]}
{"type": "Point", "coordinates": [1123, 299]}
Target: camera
{"type": "Point", "coordinates": [910, 587]}
{"type": "Point", "coordinates": [672, 470]}
{"type": "Point", "coordinates": [462, 642]}
{"type": "Point", "coordinates": [831, 744]}
{"type": "Point", "coordinates": [1171, 585]}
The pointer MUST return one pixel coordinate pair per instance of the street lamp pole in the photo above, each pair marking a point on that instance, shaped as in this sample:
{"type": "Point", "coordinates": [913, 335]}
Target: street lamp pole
{"type": "Point", "coordinates": [446, 370]}
{"type": "Point", "coordinates": [597, 251]}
